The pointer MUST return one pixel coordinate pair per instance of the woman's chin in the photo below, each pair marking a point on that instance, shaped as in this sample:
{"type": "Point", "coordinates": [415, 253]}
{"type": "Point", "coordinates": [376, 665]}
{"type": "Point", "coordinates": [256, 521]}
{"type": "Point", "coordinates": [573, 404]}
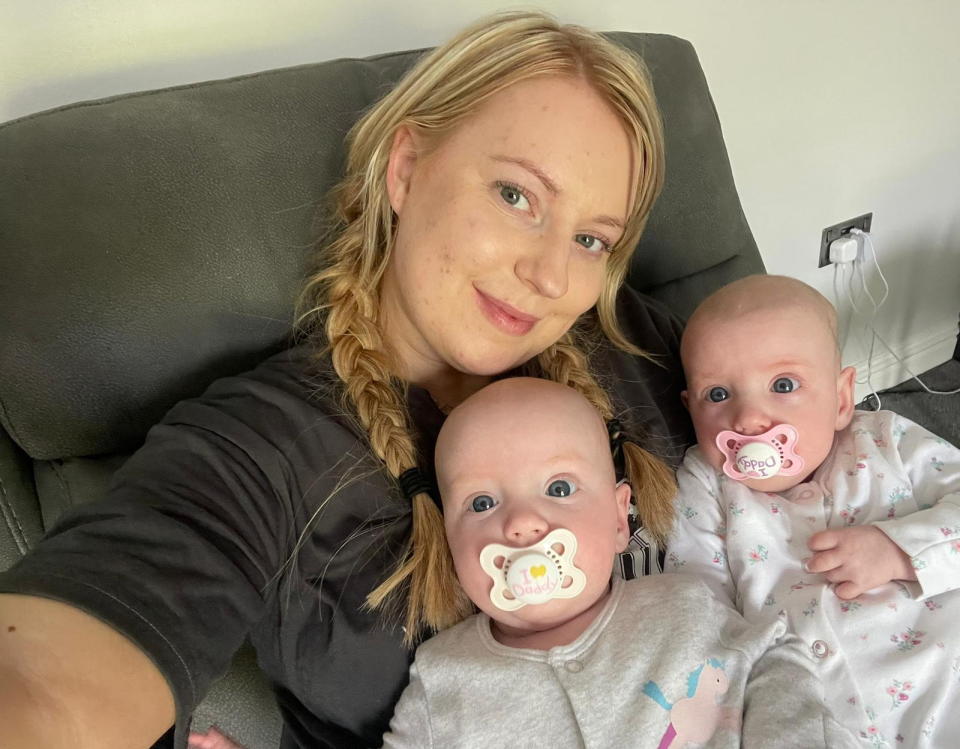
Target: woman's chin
{"type": "Point", "coordinates": [489, 362]}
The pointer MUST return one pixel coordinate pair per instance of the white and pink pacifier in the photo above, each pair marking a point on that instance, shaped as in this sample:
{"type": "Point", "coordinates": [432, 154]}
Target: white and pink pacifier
{"type": "Point", "coordinates": [761, 456]}
{"type": "Point", "coordinates": [534, 574]}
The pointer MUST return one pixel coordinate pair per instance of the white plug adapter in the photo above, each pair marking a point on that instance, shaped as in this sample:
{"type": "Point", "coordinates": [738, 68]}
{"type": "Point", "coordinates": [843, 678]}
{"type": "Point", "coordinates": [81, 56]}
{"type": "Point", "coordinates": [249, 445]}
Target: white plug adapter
{"type": "Point", "coordinates": [846, 249]}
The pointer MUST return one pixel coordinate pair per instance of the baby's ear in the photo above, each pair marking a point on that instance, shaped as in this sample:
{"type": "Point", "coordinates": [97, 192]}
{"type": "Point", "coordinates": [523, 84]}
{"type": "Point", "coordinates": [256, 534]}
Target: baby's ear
{"type": "Point", "coordinates": [685, 398]}
{"type": "Point", "coordinates": [623, 495]}
{"type": "Point", "coordinates": [845, 394]}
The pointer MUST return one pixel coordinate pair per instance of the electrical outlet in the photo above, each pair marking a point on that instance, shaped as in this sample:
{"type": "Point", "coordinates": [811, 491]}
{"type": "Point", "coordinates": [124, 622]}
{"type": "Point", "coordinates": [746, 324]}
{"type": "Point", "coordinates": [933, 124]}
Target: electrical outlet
{"type": "Point", "coordinates": [838, 230]}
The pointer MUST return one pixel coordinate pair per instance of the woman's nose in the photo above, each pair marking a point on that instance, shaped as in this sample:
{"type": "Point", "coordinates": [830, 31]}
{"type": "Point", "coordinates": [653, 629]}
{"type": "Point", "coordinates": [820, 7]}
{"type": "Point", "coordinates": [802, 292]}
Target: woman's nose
{"type": "Point", "coordinates": [524, 527]}
{"type": "Point", "coordinates": [751, 421]}
{"type": "Point", "coordinates": [544, 266]}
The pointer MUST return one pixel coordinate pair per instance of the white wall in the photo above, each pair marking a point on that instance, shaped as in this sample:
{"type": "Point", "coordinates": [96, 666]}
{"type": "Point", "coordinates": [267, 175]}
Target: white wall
{"type": "Point", "coordinates": [829, 109]}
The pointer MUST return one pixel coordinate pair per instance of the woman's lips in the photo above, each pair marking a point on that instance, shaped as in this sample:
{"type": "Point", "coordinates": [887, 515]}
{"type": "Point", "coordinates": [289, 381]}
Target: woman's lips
{"type": "Point", "coordinates": [504, 317]}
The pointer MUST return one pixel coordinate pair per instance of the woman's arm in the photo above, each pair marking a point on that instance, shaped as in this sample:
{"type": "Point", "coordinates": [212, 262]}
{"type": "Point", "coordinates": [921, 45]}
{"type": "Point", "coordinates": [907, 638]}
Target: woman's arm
{"type": "Point", "coordinates": [69, 680]}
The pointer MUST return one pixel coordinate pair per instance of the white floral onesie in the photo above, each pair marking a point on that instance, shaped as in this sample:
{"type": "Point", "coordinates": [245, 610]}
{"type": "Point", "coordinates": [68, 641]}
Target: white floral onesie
{"type": "Point", "coordinates": [890, 660]}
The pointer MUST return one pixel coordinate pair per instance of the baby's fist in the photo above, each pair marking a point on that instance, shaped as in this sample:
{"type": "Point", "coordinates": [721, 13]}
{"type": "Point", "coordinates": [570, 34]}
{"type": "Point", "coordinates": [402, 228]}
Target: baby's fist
{"type": "Point", "coordinates": [857, 559]}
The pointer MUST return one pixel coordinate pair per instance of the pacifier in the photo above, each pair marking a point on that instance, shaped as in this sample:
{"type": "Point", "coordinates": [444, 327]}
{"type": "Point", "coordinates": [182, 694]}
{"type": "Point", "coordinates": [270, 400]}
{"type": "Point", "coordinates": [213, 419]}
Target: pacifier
{"type": "Point", "coordinates": [761, 456]}
{"type": "Point", "coordinates": [534, 574]}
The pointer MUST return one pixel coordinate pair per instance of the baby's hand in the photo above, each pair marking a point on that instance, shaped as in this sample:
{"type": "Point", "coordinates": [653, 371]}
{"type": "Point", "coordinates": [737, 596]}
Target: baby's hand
{"type": "Point", "coordinates": [857, 559]}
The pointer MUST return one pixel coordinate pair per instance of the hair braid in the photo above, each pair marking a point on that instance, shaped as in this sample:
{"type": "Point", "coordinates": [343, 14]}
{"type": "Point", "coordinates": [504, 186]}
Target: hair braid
{"type": "Point", "coordinates": [434, 598]}
{"type": "Point", "coordinates": [652, 481]}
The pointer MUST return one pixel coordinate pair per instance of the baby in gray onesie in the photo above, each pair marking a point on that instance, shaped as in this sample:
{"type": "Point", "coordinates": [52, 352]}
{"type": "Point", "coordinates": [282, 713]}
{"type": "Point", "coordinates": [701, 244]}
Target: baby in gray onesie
{"type": "Point", "coordinates": [559, 655]}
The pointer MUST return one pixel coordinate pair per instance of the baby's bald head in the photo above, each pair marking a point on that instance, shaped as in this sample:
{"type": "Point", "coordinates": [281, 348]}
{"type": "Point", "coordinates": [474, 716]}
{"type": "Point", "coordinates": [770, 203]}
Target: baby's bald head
{"type": "Point", "coordinates": [756, 294]}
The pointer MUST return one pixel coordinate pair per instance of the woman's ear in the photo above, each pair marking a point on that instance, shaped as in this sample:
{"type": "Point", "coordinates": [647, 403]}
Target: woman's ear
{"type": "Point", "coordinates": [623, 495]}
{"type": "Point", "coordinates": [845, 389]}
{"type": "Point", "coordinates": [400, 166]}
{"type": "Point", "coordinates": [685, 398]}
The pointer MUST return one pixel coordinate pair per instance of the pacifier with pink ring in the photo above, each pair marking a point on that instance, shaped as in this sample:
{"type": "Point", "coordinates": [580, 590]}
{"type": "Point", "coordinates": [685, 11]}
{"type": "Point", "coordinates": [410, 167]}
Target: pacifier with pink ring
{"type": "Point", "coordinates": [533, 574]}
{"type": "Point", "coordinates": [760, 456]}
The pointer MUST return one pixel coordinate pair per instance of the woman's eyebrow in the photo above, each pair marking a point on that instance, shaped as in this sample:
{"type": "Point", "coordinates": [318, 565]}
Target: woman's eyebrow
{"type": "Point", "coordinates": [535, 170]}
{"type": "Point", "coordinates": [610, 221]}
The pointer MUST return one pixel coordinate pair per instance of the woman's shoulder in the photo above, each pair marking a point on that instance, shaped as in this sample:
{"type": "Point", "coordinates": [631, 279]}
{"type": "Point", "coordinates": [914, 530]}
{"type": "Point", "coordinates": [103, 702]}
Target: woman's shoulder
{"type": "Point", "coordinates": [648, 323]}
{"type": "Point", "coordinates": [289, 392]}
{"type": "Point", "coordinates": [277, 435]}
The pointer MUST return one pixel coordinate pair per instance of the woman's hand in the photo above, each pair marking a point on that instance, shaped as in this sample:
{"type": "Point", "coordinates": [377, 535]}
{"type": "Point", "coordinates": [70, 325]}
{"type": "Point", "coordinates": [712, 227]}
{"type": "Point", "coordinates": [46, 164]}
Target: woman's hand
{"type": "Point", "coordinates": [212, 739]}
{"type": "Point", "coordinates": [857, 559]}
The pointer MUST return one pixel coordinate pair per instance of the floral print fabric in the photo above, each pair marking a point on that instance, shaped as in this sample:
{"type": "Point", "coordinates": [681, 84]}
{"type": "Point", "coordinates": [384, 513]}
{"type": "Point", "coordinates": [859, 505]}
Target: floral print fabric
{"type": "Point", "coordinates": [890, 659]}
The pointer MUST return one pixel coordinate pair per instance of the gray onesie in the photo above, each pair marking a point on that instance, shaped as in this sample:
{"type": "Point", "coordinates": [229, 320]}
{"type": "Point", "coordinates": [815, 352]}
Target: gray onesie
{"type": "Point", "coordinates": [663, 665]}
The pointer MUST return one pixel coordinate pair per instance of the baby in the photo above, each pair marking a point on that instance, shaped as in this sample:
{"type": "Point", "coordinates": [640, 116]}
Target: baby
{"type": "Point", "coordinates": [559, 654]}
{"type": "Point", "coordinates": [846, 521]}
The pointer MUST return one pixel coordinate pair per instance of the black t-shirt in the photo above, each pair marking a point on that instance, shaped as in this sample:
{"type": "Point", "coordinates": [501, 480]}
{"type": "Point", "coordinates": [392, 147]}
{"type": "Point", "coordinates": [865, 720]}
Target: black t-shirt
{"type": "Point", "coordinates": [256, 510]}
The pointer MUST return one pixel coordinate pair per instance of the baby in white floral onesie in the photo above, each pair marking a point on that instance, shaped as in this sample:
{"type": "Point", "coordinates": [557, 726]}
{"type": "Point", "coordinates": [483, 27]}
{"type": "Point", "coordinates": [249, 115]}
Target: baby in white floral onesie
{"type": "Point", "coordinates": [846, 521]}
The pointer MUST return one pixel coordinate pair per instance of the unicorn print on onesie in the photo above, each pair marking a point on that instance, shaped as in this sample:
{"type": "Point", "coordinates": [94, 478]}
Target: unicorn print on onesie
{"type": "Point", "coordinates": [845, 522]}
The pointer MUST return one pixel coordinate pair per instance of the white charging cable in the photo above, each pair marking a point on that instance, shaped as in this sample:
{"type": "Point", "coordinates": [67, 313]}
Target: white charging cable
{"type": "Point", "coordinates": [849, 251]}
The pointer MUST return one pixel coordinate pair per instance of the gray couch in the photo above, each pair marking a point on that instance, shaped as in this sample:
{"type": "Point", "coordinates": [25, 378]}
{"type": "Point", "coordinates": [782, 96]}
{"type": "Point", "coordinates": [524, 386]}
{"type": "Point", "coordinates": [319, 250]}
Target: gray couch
{"type": "Point", "coordinates": [152, 242]}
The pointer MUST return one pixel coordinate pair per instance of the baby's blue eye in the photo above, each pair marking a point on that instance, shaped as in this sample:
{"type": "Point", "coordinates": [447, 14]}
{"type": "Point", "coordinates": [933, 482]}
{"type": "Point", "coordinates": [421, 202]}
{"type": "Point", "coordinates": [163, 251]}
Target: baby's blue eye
{"type": "Point", "coordinates": [482, 503]}
{"type": "Point", "coordinates": [784, 385]}
{"type": "Point", "coordinates": [561, 488]}
{"type": "Point", "coordinates": [717, 394]}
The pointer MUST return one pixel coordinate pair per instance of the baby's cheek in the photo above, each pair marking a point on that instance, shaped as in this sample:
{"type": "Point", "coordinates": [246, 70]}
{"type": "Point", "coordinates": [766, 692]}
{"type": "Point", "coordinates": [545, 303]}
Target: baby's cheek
{"type": "Point", "coordinates": [712, 455]}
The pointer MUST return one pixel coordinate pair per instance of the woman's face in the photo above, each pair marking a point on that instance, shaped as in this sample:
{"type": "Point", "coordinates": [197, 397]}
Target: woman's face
{"type": "Point", "coordinates": [504, 228]}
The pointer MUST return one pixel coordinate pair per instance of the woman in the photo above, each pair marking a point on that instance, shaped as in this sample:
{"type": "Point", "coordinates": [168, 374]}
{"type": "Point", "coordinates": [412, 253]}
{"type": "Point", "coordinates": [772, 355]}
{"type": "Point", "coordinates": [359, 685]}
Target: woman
{"type": "Point", "coordinates": [491, 200]}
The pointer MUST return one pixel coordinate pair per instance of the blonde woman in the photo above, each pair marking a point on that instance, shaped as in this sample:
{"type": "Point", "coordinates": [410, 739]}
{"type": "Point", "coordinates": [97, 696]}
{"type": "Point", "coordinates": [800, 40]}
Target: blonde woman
{"type": "Point", "coordinates": [491, 203]}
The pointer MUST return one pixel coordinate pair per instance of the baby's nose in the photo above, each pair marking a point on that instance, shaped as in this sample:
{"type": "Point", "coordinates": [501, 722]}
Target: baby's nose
{"type": "Point", "coordinates": [751, 421]}
{"type": "Point", "coordinates": [525, 527]}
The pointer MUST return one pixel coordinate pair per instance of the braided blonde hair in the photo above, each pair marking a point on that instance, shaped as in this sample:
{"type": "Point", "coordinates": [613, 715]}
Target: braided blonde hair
{"type": "Point", "coordinates": [651, 480]}
{"type": "Point", "coordinates": [339, 309]}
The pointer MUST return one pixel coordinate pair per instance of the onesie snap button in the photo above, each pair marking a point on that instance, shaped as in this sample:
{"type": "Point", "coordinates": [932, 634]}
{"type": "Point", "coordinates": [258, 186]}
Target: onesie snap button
{"type": "Point", "coordinates": [820, 649]}
{"type": "Point", "coordinates": [808, 493]}
{"type": "Point", "coordinates": [574, 667]}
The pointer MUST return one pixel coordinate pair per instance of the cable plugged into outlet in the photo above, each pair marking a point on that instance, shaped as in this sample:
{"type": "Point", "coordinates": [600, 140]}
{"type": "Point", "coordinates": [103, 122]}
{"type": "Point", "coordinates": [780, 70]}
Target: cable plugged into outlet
{"type": "Point", "coordinates": [843, 230]}
{"type": "Point", "coordinates": [851, 250]}
{"type": "Point", "coordinates": [846, 249]}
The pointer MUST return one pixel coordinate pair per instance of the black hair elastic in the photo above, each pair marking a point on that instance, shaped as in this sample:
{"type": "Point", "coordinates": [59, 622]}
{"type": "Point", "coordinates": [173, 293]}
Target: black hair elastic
{"type": "Point", "coordinates": [414, 482]}
{"type": "Point", "coordinates": [617, 438]}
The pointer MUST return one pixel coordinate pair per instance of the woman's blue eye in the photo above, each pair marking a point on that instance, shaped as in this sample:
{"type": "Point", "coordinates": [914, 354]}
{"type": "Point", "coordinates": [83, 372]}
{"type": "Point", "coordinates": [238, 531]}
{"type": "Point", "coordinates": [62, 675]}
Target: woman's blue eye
{"type": "Point", "coordinates": [482, 503]}
{"type": "Point", "coordinates": [784, 385]}
{"type": "Point", "coordinates": [592, 243]}
{"type": "Point", "coordinates": [513, 195]}
{"type": "Point", "coordinates": [717, 394]}
{"type": "Point", "coordinates": [561, 488]}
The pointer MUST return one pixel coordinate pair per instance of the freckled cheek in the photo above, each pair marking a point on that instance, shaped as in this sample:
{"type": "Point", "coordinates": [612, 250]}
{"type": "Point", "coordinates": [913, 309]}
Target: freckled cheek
{"type": "Point", "coordinates": [445, 268]}
{"type": "Point", "coordinates": [585, 290]}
